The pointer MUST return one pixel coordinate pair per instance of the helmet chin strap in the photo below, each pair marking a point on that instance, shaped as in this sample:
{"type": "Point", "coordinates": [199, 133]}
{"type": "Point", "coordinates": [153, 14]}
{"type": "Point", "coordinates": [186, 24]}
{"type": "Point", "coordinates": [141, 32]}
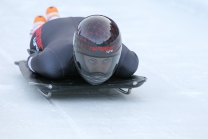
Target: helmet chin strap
{"type": "Point", "coordinates": [94, 80]}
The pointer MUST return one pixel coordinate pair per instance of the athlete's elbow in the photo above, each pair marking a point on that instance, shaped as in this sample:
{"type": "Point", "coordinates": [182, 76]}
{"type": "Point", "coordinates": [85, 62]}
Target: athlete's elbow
{"type": "Point", "coordinates": [53, 73]}
{"type": "Point", "coordinates": [49, 70]}
{"type": "Point", "coordinates": [52, 76]}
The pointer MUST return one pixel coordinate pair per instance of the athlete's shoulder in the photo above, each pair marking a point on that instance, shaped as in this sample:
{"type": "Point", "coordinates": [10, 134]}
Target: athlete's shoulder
{"type": "Point", "coordinates": [76, 20]}
{"type": "Point", "coordinates": [63, 20]}
{"type": "Point", "coordinates": [68, 18]}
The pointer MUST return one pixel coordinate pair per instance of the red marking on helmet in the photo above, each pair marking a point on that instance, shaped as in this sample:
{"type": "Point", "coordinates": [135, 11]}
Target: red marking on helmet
{"type": "Point", "coordinates": [99, 48]}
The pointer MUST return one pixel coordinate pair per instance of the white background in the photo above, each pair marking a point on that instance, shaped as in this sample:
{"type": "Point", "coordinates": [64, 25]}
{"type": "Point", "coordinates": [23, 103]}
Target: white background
{"type": "Point", "coordinates": [170, 39]}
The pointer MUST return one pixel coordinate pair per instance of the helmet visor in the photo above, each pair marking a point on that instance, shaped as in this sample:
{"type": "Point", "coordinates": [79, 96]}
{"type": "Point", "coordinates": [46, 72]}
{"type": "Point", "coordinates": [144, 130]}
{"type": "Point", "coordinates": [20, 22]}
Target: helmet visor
{"type": "Point", "coordinates": [96, 70]}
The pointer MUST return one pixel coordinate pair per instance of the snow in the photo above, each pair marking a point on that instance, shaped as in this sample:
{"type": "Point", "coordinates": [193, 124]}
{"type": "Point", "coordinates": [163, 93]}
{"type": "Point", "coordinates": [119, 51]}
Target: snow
{"type": "Point", "coordinates": [170, 38]}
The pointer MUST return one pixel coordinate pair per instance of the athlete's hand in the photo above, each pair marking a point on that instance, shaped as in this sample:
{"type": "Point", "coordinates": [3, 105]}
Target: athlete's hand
{"type": "Point", "coordinates": [32, 51]}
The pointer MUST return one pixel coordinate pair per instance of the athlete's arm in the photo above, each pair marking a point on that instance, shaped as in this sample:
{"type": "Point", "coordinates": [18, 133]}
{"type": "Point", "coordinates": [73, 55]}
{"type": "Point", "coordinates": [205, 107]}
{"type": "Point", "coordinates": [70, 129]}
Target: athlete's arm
{"type": "Point", "coordinates": [128, 63]}
{"type": "Point", "coordinates": [46, 64]}
{"type": "Point", "coordinates": [55, 61]}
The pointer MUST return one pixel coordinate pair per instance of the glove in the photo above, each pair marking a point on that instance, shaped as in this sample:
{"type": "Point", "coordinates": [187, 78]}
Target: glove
{"type": "Point", "coordinates": [31, 51]}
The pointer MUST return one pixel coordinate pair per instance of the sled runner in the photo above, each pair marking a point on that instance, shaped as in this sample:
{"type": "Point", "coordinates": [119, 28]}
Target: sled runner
{"type": "Point", "coordinates": [72, 82]}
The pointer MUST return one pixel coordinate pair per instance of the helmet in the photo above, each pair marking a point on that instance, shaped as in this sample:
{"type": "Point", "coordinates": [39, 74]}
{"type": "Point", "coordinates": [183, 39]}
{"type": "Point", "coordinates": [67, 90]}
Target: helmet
{"type": "Point", "coordinates": [97, 48]}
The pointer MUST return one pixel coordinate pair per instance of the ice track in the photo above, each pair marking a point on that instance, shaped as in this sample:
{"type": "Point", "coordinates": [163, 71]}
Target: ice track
{"type": "Point", "coordinates": [170, 38]}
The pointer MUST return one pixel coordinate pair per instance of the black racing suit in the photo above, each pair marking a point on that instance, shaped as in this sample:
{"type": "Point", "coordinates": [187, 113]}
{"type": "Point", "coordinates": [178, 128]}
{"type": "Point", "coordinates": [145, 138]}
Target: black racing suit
{"type": "Point", "coordinates": [54, 41]}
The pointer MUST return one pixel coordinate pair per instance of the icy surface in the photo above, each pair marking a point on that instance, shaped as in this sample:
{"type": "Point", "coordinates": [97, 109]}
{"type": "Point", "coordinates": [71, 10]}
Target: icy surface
{"type": "Point", "coordinates": [170, 38]}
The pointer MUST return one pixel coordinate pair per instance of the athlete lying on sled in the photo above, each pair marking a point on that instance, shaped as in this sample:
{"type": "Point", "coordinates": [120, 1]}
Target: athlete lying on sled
{"type": "Point", "coordinates": [91, 46]}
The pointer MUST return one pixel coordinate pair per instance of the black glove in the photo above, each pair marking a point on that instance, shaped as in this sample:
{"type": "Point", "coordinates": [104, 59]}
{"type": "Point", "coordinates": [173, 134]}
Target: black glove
{"type": "Point", "coordinates": [32, 51]}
